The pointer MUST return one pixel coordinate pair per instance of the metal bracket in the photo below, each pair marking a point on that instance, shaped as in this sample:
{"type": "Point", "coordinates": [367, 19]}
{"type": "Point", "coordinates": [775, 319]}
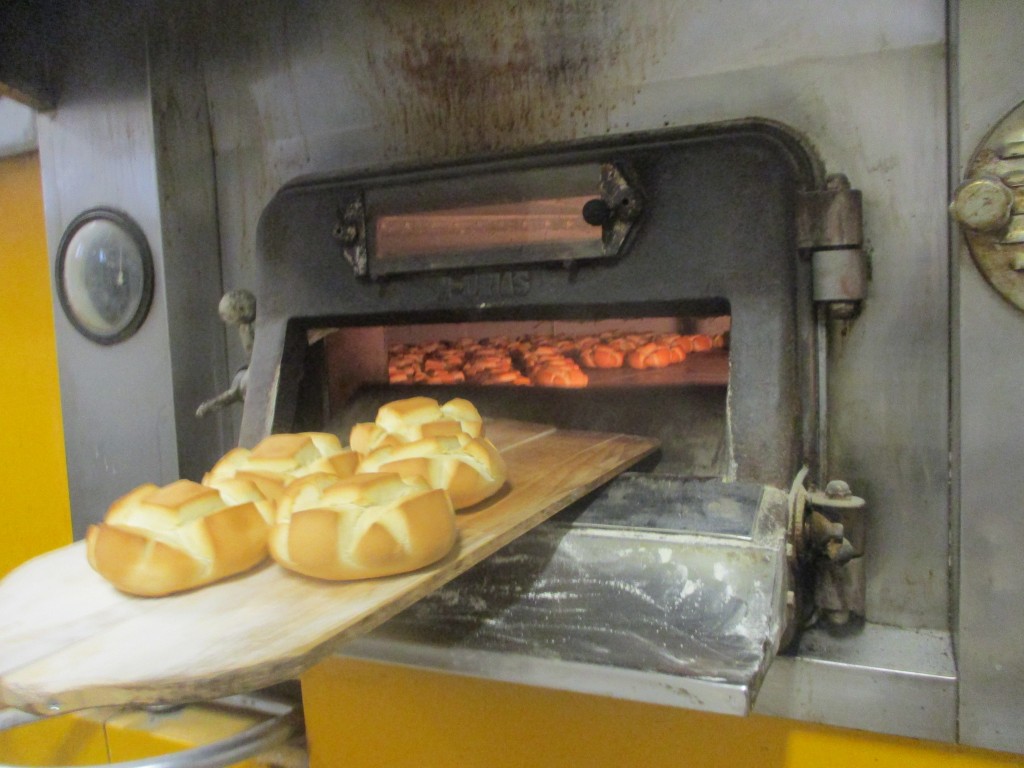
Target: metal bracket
{"type": "Point", "coordinates": [830, 225]}
{"type": "Point", "coordinates": [835, 529]}
{"type": "Point", "coordinates": [830, 218]}
{"type": "Point", "coordinates": [625, 204]}
{"type": "Point", "coordinates": [351, 231]}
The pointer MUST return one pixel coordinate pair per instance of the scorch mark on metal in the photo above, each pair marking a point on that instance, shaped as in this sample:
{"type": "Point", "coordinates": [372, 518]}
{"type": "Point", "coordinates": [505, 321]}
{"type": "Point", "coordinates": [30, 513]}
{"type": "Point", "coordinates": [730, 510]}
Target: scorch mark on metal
{"type": "Point", "coordinates": [450, 82]}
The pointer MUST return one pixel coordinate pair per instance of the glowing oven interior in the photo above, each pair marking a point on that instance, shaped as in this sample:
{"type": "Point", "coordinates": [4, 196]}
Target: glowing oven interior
{"type": "Point", "coordinates": [664, 376]}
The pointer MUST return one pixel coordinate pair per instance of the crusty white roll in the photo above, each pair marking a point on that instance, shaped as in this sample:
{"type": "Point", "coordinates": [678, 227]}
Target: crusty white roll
{"type": "Point", "coordinates": [361, 527]}
{"type": "Point", "coordinates": [156, 541]}
{"type": "Point", "coordinates": [279, 459]}
{"type": "Point", "coordinates": [470, 469]}
{"type": "Point", "coordinates": [414, 418]}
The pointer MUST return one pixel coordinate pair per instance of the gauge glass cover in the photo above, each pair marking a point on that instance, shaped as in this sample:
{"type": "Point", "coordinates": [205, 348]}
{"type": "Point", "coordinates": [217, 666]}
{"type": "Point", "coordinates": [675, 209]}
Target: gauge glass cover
{"type": "Point", "coordinates": [105, 275]}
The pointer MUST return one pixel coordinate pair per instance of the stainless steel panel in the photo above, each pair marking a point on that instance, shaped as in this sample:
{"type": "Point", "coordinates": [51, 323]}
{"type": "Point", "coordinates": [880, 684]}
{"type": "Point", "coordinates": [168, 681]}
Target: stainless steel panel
{"type": "Point", "coordinates": [883, 679]}
{"type": "Point", "coordinates": [989, 371]}
{"type": "Point", "coordinates": [118, 139]}
{"type": "Point", "coordinates": [96, 149]}
{"type": "Point", "coordinates": [678, 614]}
{"type": "Point", "coordinates": [189, 228]}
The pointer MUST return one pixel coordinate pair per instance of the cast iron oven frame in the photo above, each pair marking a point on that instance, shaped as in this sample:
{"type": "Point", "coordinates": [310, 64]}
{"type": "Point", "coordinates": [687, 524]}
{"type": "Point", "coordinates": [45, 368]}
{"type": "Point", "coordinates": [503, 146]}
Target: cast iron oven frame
{"type": "Point", "coordinates": [718, 231]}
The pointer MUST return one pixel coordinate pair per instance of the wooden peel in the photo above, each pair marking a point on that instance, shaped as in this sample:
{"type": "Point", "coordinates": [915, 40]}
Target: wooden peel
{"type": "Point", "coordinates": [68, 640]}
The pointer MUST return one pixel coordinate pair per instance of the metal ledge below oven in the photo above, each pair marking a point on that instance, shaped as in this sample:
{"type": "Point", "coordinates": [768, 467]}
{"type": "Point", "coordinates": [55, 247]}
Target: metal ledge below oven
{"type": "Point", "coordinates": [881, 679]}
{"type": "Point", "coordinates": [563, 607]}
{"type": "Point", "coordinates": [655, 589]}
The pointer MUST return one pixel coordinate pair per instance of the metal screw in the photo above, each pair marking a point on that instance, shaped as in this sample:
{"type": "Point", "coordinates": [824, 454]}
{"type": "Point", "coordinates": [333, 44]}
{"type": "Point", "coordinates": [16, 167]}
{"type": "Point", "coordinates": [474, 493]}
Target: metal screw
{"type": "Point", "coordinates": [348, 234]}
{"type": "Point", "coordinates": [838, 489]}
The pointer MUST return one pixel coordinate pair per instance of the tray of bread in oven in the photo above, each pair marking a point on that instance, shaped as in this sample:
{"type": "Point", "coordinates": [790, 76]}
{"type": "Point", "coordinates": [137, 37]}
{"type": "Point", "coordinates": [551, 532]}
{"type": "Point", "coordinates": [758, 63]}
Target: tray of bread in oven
{"type": "Point", "coordinates": [283, 553]}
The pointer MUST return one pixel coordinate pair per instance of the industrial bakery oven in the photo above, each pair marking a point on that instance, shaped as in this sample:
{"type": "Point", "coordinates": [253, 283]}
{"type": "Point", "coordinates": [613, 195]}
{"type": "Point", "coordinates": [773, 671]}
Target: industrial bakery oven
{"type": "Point", "coordinates": [406, 118]}
{"type": "Point", "coordinates": [672, 285]}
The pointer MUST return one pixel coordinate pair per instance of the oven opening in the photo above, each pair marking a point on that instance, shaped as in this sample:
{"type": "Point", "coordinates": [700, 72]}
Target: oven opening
{"type": "Point", "coordinates": [663, 375]}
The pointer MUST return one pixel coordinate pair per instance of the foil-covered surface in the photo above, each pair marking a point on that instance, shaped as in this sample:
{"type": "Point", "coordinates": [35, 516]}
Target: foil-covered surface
{"type": "Point", "coordinates": [682, 593]}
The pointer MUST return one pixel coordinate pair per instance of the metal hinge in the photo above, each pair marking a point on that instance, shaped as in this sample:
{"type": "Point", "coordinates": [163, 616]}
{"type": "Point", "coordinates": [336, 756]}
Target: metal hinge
{"type": "Point", "coordinates": [830, 225]}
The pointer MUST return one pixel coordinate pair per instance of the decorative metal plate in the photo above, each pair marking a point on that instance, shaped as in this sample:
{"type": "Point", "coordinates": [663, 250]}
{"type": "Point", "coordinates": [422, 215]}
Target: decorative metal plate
{"type": "Point", "coordinates": [989, 205]}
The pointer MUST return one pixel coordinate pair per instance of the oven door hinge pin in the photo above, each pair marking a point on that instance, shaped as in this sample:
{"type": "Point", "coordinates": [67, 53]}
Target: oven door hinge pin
{"type": "Point", "coordinates": [830, 227]}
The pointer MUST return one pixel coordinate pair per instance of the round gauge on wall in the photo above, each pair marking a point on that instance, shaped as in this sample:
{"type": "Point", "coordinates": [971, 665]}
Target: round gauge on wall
{"type": "Point", "coordinates": [104, 275]}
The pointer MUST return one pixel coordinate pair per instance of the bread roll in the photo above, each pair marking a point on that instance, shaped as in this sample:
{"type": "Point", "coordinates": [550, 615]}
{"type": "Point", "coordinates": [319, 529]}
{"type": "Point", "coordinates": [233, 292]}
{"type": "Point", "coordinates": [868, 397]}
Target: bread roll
{"type": "Point", "coordinates": [650, 355]}
{"type": "Point", "coordinates": [414, 418]}
{"type": "Point", "coordinates": [156, 541]}
{"type": "Point", "coordinates": [602, 356]}
{"type": "Point", "coordinates": [568, 377]}
{"type": "Point", "coordinates": [470, 469]}
{"type": "Point", "coordinates": [361, 527]}
{"type": "Point", "coordinates": [279, 459]}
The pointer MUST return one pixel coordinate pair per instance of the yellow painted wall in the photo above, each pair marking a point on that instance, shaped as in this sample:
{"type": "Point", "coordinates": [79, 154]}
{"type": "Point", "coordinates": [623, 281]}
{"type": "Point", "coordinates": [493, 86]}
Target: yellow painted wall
{"type": "Point", "coordinates": [60, 741]}
{"type": "Point", "coordinates": [100, 736]}
{"type": "Point", "coordinates": [361, 714]}
{"type": "Point", "coordinates": [35, 514]}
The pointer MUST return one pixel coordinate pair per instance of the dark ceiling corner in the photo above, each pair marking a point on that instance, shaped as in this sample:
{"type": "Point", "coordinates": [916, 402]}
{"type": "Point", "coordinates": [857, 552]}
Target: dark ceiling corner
{"type": "Point", "coordinates": [29, 30]}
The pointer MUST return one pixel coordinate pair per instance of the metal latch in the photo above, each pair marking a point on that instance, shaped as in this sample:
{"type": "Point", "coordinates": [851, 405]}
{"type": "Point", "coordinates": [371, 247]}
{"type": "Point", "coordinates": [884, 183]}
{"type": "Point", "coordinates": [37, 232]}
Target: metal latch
{"type": "Point", "coordinates": [615, 211]}
{"type": "Point", "coordinates": [830, 225]}
{"type": "Point", "coordinates": [827, 544]}
{"type": "Point", "coordinates": [236, 308]}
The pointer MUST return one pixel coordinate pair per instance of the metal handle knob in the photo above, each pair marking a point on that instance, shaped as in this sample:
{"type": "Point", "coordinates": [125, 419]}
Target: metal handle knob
{"type": "Point", "coordinates": [597, 212]}
{"type": "Point", "coordinates": [983, 204]}
{"type": "Point", "coordinates": [239, 308]}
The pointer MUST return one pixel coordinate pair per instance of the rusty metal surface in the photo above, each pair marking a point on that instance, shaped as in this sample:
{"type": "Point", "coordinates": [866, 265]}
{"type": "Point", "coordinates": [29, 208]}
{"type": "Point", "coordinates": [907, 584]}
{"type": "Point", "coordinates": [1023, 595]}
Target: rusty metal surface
{"type": "Point", "coordinates": [831, 218]}
{"type": "Point", "coordinates": [517, 74]}
{"type": "Point", "coordinates": [840, 276]}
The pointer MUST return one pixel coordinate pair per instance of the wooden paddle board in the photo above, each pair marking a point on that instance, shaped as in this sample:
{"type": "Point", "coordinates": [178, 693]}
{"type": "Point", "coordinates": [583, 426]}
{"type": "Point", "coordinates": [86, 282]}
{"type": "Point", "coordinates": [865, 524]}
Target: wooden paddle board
{"type": "Point", "coordinates": [68, 640]}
